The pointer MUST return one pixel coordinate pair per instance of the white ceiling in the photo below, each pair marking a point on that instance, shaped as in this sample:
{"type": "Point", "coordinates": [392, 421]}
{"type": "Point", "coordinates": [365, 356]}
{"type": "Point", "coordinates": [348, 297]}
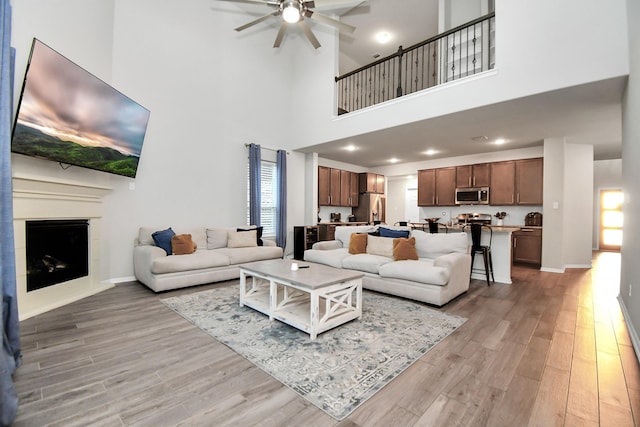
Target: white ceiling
{"type": "Point", "coordinates": [407, 22]}
{"type": "Point", "coordinates": [588, 114]}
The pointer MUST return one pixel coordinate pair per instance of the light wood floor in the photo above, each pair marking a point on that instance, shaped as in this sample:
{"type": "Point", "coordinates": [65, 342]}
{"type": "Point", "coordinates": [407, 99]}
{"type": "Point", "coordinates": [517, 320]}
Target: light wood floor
{"type": "Point", "coordinates": [550, 349]}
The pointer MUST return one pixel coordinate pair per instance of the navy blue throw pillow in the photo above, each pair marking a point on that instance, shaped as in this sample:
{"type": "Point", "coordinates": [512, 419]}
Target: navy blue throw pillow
{"type": "Point", "coordinates": [258, 234]}
{"type": "Point", "coordinates": [387, 232]}
{"type": "Point", "coordinates": [163, 239]}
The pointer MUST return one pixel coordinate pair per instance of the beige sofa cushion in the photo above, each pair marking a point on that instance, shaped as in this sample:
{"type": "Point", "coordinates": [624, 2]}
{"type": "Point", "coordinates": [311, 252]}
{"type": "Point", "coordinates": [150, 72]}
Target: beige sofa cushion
{"type": "Point", "coordinates": [217, 237]}
{"type": "Point", "coordinates": [250, 254]}
{"type": "Point", "coordinates": [242, 239]}
{"type": "Point", "coordinates": [434, 245]}
{"type": "Point", "coordinates": [330, 257]}
{"type": "Point", "coordinates": [382, 246]}
{"type": "Point", "coordinates": [343, 233]}
{"type": "Point", "coordinates": [415, 271]}
{"type": "Point", "coordinates": [365, 262]}
{"type": "Point", "coordinates": [195, 261]}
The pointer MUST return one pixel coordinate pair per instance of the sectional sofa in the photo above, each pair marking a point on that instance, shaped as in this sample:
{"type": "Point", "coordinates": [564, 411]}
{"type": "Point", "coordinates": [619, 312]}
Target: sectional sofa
{"type": "Point", "coordinates": [440, 273]}
{"type": "Point", "coordinates": [218, 251]}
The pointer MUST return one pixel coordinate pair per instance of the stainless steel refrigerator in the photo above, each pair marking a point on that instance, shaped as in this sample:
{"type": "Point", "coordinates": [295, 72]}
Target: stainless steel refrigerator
{"type": "Point", "coordinates": [371, 207]}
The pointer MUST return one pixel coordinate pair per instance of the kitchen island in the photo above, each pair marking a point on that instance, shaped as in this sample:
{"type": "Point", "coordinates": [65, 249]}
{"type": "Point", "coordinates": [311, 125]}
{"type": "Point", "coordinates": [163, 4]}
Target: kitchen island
{"type": "Point", "coordinates": [500, 251]}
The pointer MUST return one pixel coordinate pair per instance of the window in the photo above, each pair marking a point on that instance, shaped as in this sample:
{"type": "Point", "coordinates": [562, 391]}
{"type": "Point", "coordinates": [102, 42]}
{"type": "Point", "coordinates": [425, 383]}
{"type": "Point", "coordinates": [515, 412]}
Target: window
{"type": "Point", "coordinates": [268, 195]}
{"type": "Point", "coordinates": [611, 220]}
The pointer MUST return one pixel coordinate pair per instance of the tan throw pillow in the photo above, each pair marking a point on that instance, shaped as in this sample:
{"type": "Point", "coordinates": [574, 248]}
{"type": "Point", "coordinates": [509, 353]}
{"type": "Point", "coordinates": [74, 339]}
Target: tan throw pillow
{"type": "Point", "coordinates": [404, 249]}
{"type": "Point", "coordinates": [382, 246]}
{"type": "Point", "coordinates": [242, 239]}
{"type": "Point", "coordinates": [358, 243]}
{"type": "Point", "coordinates": [182, 244]}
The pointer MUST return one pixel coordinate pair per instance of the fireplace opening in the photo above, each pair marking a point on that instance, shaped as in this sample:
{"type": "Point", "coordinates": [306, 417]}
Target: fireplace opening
{"type": "Point", "coordinates": [57, 251]}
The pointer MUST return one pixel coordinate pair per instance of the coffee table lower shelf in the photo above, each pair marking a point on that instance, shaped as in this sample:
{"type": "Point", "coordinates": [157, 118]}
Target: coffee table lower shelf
{"type": "Point", "coordinates": [311, 310]}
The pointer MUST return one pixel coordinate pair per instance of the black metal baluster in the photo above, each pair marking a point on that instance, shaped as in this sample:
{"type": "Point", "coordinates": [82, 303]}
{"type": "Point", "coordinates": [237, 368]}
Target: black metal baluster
{"type": "Point", "coordinates": [399, 89]}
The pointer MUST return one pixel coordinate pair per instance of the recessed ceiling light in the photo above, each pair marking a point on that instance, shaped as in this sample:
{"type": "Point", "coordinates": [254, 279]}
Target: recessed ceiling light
{"type": "Point", "coordinates": [393, 160]}
{"type": "Point", "coordinates": [350, 147]}
{"type": "Point", "coordinates": [499, 141]}
{"type": "Point", "coordinates": [383, 37]}
{"type": "Point", "coordinates": [480, 138]}
{"type": "Point", "coordinates": [430, 152]}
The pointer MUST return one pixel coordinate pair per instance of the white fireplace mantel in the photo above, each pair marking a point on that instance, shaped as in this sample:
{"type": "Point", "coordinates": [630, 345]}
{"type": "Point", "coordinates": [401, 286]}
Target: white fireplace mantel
{"type": "Point", "coordinates": [38, 198]}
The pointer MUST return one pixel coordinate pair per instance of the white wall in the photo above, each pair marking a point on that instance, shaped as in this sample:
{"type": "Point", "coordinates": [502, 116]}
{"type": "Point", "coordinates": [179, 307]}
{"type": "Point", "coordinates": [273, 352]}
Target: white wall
{"type": "Point", "coordinates": [210, 90]}
{"type": "Point", "coordinates": [578, 205]}
{"type": "Point", "coordinates": [522, 55]}
{"type": "Point", "coordinates": [630, 271]}
{"type": "Point", "coordinates": [607, 175]}
{"type": "Point", "coordinates": [553, 202]}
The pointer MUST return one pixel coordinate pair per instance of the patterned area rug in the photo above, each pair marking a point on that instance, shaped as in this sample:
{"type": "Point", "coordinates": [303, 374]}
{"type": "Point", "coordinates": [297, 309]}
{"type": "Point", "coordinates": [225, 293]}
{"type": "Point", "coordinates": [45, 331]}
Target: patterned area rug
{"type": "Point", "coordinates": [342, 368]}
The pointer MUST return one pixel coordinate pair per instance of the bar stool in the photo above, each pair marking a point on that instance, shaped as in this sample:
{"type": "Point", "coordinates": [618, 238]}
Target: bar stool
{"type": "Point", "coordinates": [485, 250]}
{"type": "Point", "coordinates": [433, 226]}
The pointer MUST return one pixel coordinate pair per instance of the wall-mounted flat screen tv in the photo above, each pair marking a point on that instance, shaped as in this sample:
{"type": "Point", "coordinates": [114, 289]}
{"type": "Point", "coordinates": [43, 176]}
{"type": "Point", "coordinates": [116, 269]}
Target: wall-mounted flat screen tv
{"type": "Point", "coordinates": [70, 116]}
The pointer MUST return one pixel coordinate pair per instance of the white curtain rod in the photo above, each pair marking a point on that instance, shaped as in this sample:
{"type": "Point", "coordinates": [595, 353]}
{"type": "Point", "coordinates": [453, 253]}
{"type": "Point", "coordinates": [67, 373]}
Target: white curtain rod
{"type": "Point", "coordinates": [263, 147]}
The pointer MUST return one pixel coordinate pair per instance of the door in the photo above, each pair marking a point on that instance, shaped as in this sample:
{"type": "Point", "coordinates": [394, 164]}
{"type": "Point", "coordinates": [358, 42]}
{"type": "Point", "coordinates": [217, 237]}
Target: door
{"type": "Point", "coordinates": [611, 220]}
{"type": "Point", "coordinates": [503, 180]}
{"type": "Point", "coordinates": [427, 187]}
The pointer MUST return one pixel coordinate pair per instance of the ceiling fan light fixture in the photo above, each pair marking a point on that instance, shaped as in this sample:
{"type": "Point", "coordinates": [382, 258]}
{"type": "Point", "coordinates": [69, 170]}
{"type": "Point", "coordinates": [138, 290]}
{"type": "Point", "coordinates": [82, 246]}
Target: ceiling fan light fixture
{"type": "Point", "coordinates": [291, 12]}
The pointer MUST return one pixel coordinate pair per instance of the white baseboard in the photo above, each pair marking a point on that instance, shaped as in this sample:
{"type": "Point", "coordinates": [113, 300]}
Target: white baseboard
{"type": "Point", "coordinates": [552, 270]}
{"type": "Point", "coordinates": [632, 330]}
{"type": "Point", "coordinates": [578, 265]}
{"type": "Point", "coordinates": [117, 280]}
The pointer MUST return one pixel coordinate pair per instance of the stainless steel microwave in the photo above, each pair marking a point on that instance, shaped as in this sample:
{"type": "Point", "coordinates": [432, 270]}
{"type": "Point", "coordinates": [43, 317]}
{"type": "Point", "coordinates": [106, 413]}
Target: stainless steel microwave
{"type": "Point", "coordinates": [472, 196]}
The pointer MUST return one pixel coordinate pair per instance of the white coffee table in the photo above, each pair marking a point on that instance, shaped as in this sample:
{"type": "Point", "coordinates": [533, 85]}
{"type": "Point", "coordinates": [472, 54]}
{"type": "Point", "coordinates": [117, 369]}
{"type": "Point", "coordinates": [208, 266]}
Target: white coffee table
{"type": "Point", "coordinates": [313, 299]}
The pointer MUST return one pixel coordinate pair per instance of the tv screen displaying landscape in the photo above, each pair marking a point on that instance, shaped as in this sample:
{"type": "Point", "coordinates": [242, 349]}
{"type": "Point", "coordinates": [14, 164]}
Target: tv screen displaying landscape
{"type": "Point", "coordinates": [68, 115]}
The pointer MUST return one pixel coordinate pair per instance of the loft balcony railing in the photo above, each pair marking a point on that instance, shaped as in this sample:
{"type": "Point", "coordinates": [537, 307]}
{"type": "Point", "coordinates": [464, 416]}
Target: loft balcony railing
{"type": "Point", "coordinates": [460, 52]}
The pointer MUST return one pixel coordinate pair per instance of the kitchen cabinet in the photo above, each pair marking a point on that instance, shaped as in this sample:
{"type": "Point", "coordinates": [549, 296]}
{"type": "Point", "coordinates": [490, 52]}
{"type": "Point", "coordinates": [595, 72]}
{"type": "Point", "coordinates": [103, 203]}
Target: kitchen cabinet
{"type": "Point", "coordinates": [516, 182]}
{"type": "Point", "coordinates": [337, 187]}
{"type": "Point", "coordinates": [371, 183]}
{"type": "Point", "coordinates": [529, 181]}
{"type": "Point", "coordinates": [446, 186]}
{"type": "Point", "coordinates": [503, 183]}
{"type": "Point", "coordinates": [427, 187]}
{"type": "Point", "coordinates": [324, 186]}
{"type": "Point", "coordinates": [303, 238]}
{"type": "Point", "coordinates": [469, 176]}
{"type": "Point", "coordinates": [348, 188]}
{"type": "Point", "coordinates": [437, 187]}
{"type": "Point", "coordinates": [527, 245]}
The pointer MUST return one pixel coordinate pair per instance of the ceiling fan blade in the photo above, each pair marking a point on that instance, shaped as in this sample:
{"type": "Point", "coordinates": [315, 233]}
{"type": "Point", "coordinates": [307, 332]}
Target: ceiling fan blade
{"type": "Point", "coordinates": [281, 31]}
{"type": "Point", "coordinates": [268, 3]}
{"type": "Point", "coordinates": [341, 26]}
{"type": "Point", "coordinates": [257, 21]}
{"type": "Point", "coordinates": [307, 32]}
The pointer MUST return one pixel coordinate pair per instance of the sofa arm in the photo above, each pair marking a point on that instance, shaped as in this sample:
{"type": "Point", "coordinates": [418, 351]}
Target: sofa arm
{"type": "Point", "coordinates": [143, 257]}
{"type": "Point", "coordinates": [327, 245]}
{"type": "Point", "coordinates": [459, 266]}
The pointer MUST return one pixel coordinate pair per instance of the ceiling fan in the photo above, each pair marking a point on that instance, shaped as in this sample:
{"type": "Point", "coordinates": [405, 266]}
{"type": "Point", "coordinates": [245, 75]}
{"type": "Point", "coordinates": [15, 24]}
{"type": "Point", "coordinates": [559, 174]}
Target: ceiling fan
{"type": "Point", "coordinates": [295, 12]}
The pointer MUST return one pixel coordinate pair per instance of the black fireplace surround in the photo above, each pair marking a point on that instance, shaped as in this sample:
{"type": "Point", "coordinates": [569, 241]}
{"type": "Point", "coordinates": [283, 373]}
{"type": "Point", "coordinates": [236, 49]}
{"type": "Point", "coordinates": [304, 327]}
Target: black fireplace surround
{"type": "Point", "coordinates": [57, 251]}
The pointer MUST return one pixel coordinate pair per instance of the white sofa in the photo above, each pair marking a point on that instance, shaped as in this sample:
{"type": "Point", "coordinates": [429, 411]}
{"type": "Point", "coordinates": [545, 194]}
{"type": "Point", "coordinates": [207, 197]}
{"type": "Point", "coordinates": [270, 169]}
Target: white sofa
{"type": "Point", "coordinates": [439, 275]}
{"type": "Point", "coordinates": [213, 260]}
